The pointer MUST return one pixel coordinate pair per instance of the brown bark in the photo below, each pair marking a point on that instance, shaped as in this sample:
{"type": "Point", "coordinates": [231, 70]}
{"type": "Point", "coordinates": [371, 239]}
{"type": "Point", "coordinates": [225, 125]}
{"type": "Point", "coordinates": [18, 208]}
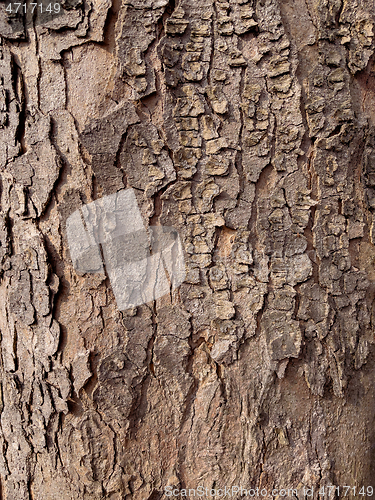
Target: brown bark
{"type": "Point", "coordinates": [249, 126]}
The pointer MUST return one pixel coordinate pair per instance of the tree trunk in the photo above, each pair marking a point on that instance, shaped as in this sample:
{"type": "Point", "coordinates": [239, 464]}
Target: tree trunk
{"type": "Point", "coordinates": [247, 126]}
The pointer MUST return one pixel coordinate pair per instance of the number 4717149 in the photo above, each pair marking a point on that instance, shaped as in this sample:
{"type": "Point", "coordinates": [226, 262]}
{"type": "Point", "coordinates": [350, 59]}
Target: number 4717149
{"type": "Point", "coordinates": [346, 490]}
{"type": "Point", "coordinates": [19, 8]}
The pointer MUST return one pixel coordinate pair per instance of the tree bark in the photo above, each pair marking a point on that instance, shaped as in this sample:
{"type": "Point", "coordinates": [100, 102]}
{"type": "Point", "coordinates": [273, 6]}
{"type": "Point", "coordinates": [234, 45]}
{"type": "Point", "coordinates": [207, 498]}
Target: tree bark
{"type": "Point", "coordinates": [247, 125]}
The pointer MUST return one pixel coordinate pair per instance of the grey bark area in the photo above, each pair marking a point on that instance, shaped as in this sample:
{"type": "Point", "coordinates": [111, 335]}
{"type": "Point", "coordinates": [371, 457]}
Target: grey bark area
{"type": "Point", "coordinates": [248, 126]}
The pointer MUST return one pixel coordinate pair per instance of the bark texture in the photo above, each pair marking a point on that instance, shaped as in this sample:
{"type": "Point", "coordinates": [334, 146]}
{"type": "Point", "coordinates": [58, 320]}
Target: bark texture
{"type": "Point", "coordinates": [248, 125]}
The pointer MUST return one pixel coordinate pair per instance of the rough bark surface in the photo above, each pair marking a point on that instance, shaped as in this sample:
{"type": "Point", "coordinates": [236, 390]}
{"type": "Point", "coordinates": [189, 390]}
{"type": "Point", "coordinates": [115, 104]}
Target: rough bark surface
{"type": "Point", "coordinates": [248, 125]}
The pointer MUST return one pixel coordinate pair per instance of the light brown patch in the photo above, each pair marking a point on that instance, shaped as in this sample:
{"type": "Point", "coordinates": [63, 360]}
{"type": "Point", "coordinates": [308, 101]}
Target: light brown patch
{"type": "Point", "coordinates": [367, 259]}
{"type": "Point", "coordinates": [225, 242]}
